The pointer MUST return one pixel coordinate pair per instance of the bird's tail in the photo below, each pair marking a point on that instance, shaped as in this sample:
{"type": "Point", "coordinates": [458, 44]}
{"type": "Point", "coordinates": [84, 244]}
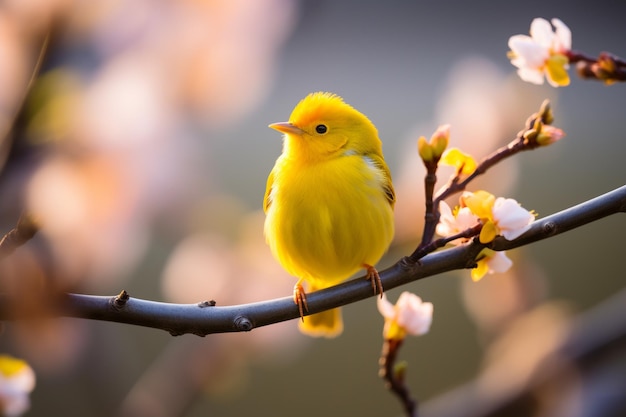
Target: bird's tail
{"type": "Point", "coordinates": [325, 324]}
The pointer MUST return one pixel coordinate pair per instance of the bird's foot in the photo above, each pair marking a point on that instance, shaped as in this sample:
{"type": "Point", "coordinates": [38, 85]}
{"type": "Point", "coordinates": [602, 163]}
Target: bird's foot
{"type": "Point", "coordinates": [299, 297]}
{"type": "Point", "coordinates": [374, 278]}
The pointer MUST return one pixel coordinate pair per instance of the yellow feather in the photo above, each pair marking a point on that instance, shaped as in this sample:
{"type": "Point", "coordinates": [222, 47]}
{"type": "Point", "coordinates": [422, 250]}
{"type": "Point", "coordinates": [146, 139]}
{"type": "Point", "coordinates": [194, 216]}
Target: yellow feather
{"type": "Point", "coordinates": [329, 198]}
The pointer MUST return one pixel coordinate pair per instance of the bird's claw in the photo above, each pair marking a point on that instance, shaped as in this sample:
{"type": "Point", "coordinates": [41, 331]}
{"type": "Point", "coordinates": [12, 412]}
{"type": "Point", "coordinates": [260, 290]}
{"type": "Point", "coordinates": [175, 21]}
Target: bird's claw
{"type": "Point", "coordinates": [374, 278]}
{"type": "Point", "coordinates": [299, 297]}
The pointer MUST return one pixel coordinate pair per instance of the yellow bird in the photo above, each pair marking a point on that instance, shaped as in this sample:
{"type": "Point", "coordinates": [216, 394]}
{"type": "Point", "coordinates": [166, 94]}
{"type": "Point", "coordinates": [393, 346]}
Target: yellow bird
{"type": "Point", "coordinates": [328, 202]}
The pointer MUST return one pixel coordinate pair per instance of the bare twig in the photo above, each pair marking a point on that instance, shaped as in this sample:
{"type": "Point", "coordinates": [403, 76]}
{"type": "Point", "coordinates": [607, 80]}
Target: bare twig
{"type": "Point", "coordinates": [431, 215]}
{"type": "Point", "coordinates": [5, 129]}
{"type": "Point", "coordinates": [394, 376]}
{"type": "Point", "coordinates": [606, 67]}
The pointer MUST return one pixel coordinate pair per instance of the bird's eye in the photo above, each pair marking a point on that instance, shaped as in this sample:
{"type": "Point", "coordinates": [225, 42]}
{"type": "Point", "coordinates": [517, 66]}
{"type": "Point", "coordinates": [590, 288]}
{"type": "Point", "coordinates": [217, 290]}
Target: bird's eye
{"type": "Point", "coordinates": [321, 129]}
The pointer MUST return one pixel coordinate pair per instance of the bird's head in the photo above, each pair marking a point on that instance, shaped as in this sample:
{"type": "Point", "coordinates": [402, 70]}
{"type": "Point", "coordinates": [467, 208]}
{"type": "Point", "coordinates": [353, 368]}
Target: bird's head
{"type": "Point", "coordinates": [323, 126]}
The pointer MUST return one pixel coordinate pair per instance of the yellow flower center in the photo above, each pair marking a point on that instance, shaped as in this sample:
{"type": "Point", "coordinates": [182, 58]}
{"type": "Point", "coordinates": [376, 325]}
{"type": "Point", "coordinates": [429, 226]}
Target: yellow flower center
{"type": "Point", "coordinates": [555, 67]}
{"type": "Point", "coordinates": [394, 331]}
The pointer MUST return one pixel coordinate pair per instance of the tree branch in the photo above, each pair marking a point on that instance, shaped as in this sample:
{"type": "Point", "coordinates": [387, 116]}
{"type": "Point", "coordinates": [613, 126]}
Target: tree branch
{"type": "Point", "coordinates": [207, 318]}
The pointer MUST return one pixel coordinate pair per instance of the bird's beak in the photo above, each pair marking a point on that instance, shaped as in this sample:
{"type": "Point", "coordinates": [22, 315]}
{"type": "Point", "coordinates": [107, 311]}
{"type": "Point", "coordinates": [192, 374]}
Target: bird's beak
{"type": "Point", "coordinates": [286, 127]}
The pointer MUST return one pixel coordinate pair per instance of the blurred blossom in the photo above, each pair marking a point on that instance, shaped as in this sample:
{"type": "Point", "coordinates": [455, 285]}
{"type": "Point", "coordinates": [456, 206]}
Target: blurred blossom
{"type": "Point", "coordinates": [121, 122]}
{"type": "Point", "coordinates": [233, 54]}
{"type": "Point", "coordinates": [544, 52]}
{"type": "Point", "coordinates": [53, 345]}
{"type": "Point", "coordinates": [226, 255]}
{"type": "Point", "coordinates": [118, 110]}
{"type": "Point", "coordinates": [17, 380]}
{"type": "Point", "coordinates": [86, 208]}
{"type": "Point", "coordinates": [53, 105]}
{"type": "Point", "coordinates": [481, 107]}
{"type": "Point", "coordinates": [235, 267]}
{"type": "Point", "coordinates": [529, 342]}
{"type": "Point", "coordinates": [241, 270]}
{"type": "Point", "coordinates": [494, 303]}
{"type": "Point", "coordinates": [200, 268]}
{"type": "Point", "coordinates": [217, 57]}
{"type": "Point", "coordinates": [127, 107]}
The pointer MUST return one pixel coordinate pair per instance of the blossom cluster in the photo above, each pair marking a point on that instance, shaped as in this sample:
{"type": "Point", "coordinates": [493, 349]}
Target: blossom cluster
{"type": "Point", "coordinates": [482, 211]}
{"type": "Point", "coordinates": [498, 216]}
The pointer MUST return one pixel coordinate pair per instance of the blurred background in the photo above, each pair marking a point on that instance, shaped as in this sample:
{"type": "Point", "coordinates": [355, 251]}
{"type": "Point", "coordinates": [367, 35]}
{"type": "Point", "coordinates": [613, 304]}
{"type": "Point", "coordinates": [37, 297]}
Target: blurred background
{"type": "Point", "coordinates": [143, 150]}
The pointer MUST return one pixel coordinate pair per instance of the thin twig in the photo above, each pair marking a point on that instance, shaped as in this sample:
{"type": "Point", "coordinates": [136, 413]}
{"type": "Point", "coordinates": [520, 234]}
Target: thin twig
{"type": "Point", "coordinates": [43, 50]}
{"type": "Point", "coordinates": [431, 215]}
{"type": "Point", "coordinates": [422, 251]}
{"type": "Point", "coordinates": [606, 67]}
{"type": "Point", "coordinates": [394, 379]}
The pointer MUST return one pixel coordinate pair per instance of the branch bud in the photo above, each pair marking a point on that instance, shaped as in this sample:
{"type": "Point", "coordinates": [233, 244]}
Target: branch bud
{"type": "Point", "coordinates": [545, 112]}
{"type": "Point", "coordinates": [424, 149]}
{"type": "Point", "coordinates": [549, 135]}
{"type": "Point", "coordinates": [530, 135]}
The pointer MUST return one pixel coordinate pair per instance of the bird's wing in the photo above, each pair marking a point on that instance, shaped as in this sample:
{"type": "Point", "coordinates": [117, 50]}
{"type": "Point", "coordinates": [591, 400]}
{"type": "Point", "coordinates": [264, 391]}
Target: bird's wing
{"type": "Point", "coordinates": [268, 190]}
{"type": "Point", "coordinates": [379, 163]}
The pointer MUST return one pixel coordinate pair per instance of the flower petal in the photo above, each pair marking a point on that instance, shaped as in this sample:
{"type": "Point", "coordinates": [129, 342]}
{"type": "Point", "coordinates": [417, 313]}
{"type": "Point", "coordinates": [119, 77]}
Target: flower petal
{"type": "Point", "coordinates": [449, 224]}
{"type": "Point", "coordinates": [512, 219]}
{"type": "Point", "coordinates": [527, 52]}
{"type": "Point", "coordinates": [386, 309]}
{"type": "Point", "coordinates": [480, 203]}
{"type": "Point", "coordinates": [465, 219]}
{"type": "Point", "coordinates": [458, 159]}
{"type": "Point", "coordinates": [414, 316]}
{"type": "Point", "coordinates": [533, 76]}
{"type": "Point", "coordinates": [446, 225]}
{"type": "Point", "coordinates": [488, 232]}
{"type": "Point", "coordinates": [491, 262]}
{"type": "Point", "coordinates": [498, 262]}
{"type": "Point", "coordinates": [541, 32]}
{"type": "Point", "coordinates": [563, 39]}
{"type": "Point", "coordinates": [480, 271]}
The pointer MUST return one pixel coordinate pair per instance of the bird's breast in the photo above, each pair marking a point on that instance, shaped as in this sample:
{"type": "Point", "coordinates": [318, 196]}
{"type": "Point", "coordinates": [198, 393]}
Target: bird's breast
{"type": "Point", "coordinates": [326, 220]}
